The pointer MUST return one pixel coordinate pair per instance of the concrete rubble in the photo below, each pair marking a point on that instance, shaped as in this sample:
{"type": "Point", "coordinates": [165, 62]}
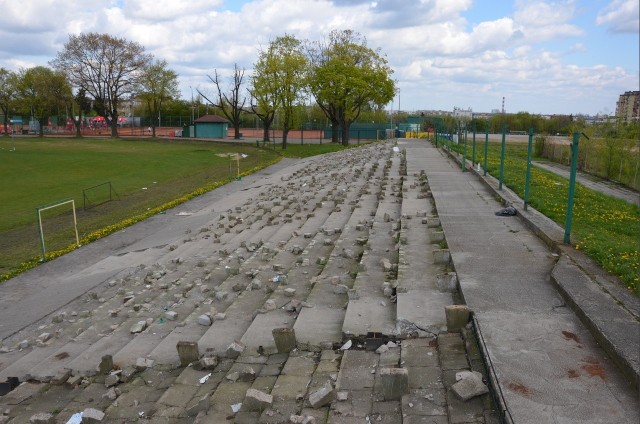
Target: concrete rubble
{"type": "Point", "coordinates": [316, 292]}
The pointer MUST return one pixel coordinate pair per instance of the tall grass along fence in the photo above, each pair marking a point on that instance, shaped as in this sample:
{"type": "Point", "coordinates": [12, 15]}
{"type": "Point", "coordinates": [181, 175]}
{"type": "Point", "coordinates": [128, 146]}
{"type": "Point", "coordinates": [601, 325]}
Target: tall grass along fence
{"type": "Point", "coordinates": [605, 228]}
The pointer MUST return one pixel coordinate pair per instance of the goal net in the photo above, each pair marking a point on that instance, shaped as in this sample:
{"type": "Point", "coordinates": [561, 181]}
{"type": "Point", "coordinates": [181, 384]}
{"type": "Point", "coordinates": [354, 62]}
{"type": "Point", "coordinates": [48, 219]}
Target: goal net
{"type": "Point", "coordinates": [57, 226]}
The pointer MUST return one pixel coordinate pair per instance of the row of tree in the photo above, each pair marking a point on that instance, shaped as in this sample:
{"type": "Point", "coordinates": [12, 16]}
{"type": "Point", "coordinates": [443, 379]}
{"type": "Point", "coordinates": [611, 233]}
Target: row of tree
{"type": "Point", "coordinates": [341, 75]}
{"type": "Point", "coordinates": [93, 72]}
{"type": "Point", "coordinates": [99, 72]}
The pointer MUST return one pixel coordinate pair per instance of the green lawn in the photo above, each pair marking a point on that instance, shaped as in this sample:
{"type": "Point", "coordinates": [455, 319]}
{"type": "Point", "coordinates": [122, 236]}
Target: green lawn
{"type": "Point", "coordinates": [144, 173]}
{"type": "Point", "coordinates": [605, 228]}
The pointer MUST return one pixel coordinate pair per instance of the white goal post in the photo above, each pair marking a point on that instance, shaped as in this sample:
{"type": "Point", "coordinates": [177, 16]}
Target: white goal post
{"type": "Point", "coordinates": [51, 206]}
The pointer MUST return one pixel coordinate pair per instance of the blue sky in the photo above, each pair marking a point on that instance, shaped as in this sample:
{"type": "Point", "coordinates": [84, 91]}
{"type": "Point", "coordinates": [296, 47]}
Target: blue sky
{"type": "Point", "coordinates": [543, 56]}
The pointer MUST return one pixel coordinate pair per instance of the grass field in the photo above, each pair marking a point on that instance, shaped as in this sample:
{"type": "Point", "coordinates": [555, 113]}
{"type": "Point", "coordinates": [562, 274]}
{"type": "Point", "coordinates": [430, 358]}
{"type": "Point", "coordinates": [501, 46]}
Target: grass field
{"type": "Point", "coordinates": [605, 228]}
{"type": "Point", "coordinates": [144, 173]}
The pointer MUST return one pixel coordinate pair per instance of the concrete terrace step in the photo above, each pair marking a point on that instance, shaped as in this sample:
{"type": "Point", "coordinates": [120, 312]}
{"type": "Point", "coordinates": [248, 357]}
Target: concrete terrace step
{"type": "Point", "coordinates": [333, 208]}
{"type": "Point", "coordinates": [165, 352]}
{"type": "Point", "coordinates": [95, 346]}
{"type": "Point", "coordinates": [321, 326]}
{"type": "Point", "coordinates": [369, 309]}
{"type": "Point", "coordinates": [421, 299]}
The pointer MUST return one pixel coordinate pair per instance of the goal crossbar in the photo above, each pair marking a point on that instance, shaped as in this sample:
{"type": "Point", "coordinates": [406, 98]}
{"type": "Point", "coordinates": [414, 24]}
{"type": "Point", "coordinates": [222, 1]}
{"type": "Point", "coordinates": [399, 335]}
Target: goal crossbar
{"type": "Point", "coordinates": [39, 210]}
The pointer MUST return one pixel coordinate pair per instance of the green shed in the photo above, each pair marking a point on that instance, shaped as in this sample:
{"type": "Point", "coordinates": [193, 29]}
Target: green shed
{"type": "Point", "coordinates": [209, 126]}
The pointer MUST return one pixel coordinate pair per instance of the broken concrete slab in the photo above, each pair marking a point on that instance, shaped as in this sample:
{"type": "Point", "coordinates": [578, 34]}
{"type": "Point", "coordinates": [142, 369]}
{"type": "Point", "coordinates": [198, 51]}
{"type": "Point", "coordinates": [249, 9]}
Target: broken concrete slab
{"type": "Point", "coordinates": [256, 400]}
{"type": "Point", "coordinates": [323, 396]}
{"type": "Point", "coordinates": [470, 386]}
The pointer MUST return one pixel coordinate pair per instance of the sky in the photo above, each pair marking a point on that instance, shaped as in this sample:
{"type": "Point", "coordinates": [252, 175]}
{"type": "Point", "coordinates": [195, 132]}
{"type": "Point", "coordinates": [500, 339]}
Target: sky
{"type": "Point", "coordinates": [542, 56]}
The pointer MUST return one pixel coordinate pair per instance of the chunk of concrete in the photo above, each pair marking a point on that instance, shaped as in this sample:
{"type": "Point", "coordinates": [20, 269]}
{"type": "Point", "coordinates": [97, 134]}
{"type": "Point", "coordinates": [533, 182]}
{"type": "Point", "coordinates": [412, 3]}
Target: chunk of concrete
{"type": "Point", "coordinates": [188, 352]}
{"type": "Point", "coordinates": [285, 339]}
{"type": "Point", "coordinates": [441, 256]}
{"type": "Point", "coordinates": [470, 386]}
{"type": "Point", "coordinates": [323, 396]}
{"type": "Point", "coordinates": [111, 380]}
{"type": "Point", "coordinates": [457, 317]}
{"type": "Point", "coordinates": [138, 327]}
{"type": "Point", "coordinates": [235, 349]}
{"type": "Point", "coordinates": [209, 362]}
{"type": "Point", "coordinates": [447, 282]}
{"type": "Point", "coordinates": [106, 365]}
{"type": "Point", "coordinates": [92, 415]}
{"type": "Point", "coordinates": [204, 320]}
{"type": "Point", "coordinates": [42, 418]}
{"type": "Point", "coordinates": [144, 363]}
{"type": "Point", "coordinates": [255, 400]}
{"type": "Point", "coordinates": [395, 382]}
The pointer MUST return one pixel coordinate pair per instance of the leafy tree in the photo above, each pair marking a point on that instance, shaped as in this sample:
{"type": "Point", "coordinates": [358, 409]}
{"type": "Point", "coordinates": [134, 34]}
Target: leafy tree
{"type": "Point", "coordinates": [264, 90]}
{"type": "Point", "coordinates": [157, 85]}
{"type": "Point", "coordinates": [106, 67]}
{"type": "Point", "coordinates": [346, 76]}
{"type": "Point", "coordinates": [8, 94]}
{"type": "Point", "coordinates": [231, 102]}
{"type": "Point", "coordinates": [42, 91]}
{"type": "Point", "coordinates": [278, 83]}
{"type": "Point", "coordinates": [291, 71]}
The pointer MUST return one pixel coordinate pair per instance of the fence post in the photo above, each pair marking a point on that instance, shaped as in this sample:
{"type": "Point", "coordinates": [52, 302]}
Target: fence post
{"type": "Point", "coordinates": [464, 151]}
{"type": "Point", "coordinates": [572, 184]}
{"type": "Point", "coordinates": [473, 149]}
{"type": "Point", "coordinates": [435, 136]}
{"type": "Point", "coordinates": [486, 147]}
{"type": "Point", "coordinates": [528, 174]}
{"type": "Point", "coordinates": [502, 149]}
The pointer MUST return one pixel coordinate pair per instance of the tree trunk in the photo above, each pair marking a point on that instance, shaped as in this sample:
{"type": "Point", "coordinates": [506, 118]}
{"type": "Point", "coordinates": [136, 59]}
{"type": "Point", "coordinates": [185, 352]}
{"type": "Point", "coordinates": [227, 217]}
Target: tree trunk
{"type": "Point", "coordinates": [285, 132]}
{"type": "Point", "coordinates": [6, 121]}
{"type": "Point", "coordinates": [335, 135]}
{"type": "Point", "coordinates": [41, 127]}
{"type": "Point", "coordinates": [114, 126]}
{"type": "Point", "coordinates": [236, 127]}
{"type": "Point", "coordinates": [345, 135]}
{"type": "Point", "coordinates": [265, 133]}
{"type": "Point", "coordinates": [76, 123]}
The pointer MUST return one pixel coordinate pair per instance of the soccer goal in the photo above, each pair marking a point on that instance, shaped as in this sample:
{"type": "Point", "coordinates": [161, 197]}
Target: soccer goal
{"type": "Point", "coordinates": [98, 194]}
{"type": "Point", "coordinates": [41, 209]}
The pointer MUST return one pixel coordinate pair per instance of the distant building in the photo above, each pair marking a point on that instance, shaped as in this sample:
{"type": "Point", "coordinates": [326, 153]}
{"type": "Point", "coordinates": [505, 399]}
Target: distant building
{"type": "Point", "coordinates": [207, 126]}
{"type": "Point", "coordinates": [459, 113]}
{"type": "Point", "coordinates": [628, 107]}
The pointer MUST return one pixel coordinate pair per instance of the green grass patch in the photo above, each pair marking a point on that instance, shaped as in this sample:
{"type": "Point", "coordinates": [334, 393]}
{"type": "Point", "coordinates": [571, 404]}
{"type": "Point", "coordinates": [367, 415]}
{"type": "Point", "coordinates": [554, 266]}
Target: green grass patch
{"type": "Point", "coordinates": [149, 176]}
{"type": "Point", "coordinates": [605, 228]}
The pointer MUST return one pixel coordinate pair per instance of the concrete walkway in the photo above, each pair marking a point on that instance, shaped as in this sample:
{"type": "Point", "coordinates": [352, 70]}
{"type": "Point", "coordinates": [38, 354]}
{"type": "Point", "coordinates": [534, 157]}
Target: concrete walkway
{"type": "Point", "coordinates": [592, 182]}
{"type": "Point", "coordinates": [548, 365]}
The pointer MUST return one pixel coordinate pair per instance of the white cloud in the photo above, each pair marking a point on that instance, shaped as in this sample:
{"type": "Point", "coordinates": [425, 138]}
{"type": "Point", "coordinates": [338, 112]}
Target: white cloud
{"type": "Point", "coordinates": [440, 55]}
{"type": "Point", "coordinates": [621, 16]}
{"type": "Point", "coordinates": [541, 21]}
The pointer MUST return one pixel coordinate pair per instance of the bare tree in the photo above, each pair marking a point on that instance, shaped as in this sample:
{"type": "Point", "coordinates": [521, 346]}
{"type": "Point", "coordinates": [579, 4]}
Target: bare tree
{"type": "Point", "coordinates": [231, 102]}
{"type": "Point", "coordinates": [106, 67]}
